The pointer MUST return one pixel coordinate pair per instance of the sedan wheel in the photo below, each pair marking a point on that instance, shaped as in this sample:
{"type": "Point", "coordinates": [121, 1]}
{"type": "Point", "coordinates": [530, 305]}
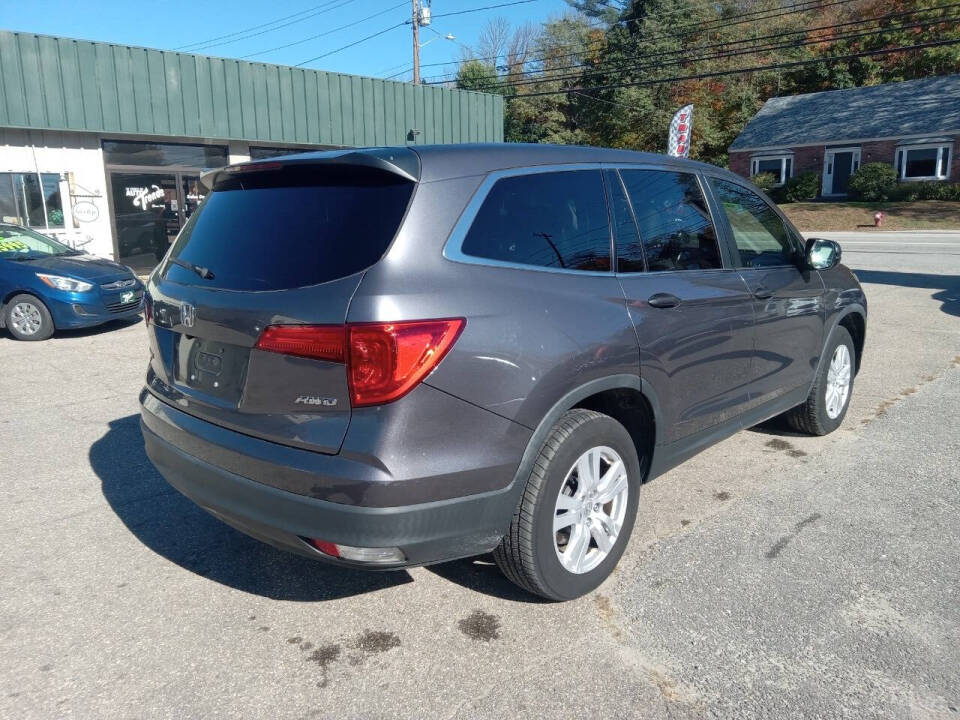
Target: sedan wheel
{"type": "Point", "coordinates": [25, 318]}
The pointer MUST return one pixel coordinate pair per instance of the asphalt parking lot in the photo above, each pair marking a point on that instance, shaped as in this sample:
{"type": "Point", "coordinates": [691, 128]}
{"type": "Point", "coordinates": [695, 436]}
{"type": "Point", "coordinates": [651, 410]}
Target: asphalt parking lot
{"type": "Point", "coordinates": [772, 576]}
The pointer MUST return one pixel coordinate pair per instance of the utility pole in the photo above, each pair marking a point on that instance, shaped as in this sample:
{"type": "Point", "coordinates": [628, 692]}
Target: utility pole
{"type": "Point", "coordinates": [416, 42]}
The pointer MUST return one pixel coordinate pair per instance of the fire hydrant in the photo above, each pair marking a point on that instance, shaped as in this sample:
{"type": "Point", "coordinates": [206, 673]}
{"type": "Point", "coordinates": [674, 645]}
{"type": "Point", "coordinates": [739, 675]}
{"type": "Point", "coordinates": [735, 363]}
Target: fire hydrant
{"type": "Point", "coordinates": [878, 218]}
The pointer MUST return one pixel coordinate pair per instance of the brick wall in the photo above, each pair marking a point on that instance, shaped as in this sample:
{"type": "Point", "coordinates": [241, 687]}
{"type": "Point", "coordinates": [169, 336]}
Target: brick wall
{"type": "Point", "coordinates": [740, 163]}
{"type": "Point", "coordinates": [808, 159]}
{"type": "Point", "coordinates": [884, 151]}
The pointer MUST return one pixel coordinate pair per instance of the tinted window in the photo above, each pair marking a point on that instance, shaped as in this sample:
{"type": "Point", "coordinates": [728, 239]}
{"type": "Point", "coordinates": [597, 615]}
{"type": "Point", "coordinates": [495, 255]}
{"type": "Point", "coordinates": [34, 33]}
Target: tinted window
{"type": "Point", "coordinates": [127, 152]}
{"type": "Point", "coordinates": [760, 234]}
{"type": "Point", "coordinates": [629, 249]}
{"type": "Point", "coordinates": [675, 226]}
{"type": "Point", "coordinates": [292, 227]}
{"type": "Point", "coordinates": [552, 219]}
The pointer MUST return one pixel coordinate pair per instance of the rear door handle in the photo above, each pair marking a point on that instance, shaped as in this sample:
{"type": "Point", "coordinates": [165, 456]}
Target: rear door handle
{"type": "Point", "coordinates": [763, 293]}
{"type": "Point", "coordinates": [663, 300]}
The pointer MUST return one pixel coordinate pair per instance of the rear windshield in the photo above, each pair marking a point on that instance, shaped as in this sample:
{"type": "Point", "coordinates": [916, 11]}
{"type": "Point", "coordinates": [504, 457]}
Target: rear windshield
{"type": "Point", "coordinates": [291, 227]}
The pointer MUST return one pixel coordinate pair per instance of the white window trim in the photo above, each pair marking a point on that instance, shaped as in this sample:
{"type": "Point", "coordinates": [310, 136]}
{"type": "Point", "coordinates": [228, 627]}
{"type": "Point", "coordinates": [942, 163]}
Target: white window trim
{"type": "Point", "coordinates": [782, 157]}
{"type": "Point", "coordinates": [901, 161]}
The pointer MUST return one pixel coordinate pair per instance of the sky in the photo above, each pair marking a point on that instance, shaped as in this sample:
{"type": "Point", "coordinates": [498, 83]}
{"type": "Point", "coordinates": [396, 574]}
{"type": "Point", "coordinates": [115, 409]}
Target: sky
{"type": "Point", "coordinates": [183, 24]}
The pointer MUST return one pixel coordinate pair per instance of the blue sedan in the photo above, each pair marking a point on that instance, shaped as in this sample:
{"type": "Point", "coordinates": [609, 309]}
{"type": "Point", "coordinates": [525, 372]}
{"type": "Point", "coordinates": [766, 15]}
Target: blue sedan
{"type": "Point", "coordinates": [46, 285]}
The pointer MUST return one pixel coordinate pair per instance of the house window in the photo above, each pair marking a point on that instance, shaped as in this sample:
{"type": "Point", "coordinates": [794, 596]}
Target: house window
{"type": "Point", "coordinates": [31, 199]}
{"type": "Point", "coordinates": [780, 166]}
{"type": "Point", "coordinates": [923, 162]}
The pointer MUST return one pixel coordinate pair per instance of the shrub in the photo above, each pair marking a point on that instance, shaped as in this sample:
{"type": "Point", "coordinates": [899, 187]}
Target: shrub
{"type": "Point", "coordinates": [873, 182]}
{"type": "Point", "coordinates": [801, 188]}
{"type": "Point", "coordinates": [910, 191]}
{"type": "Point", "coordinates": [764, 181]}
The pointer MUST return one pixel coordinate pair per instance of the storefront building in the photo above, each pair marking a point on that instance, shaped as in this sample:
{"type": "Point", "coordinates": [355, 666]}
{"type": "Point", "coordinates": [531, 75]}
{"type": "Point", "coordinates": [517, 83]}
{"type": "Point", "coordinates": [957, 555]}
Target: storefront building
{"type": "Point", "coordinates": [102, 145]}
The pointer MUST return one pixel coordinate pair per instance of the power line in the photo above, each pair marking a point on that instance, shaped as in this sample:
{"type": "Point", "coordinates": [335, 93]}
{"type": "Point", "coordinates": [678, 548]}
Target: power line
{"type": "Point", "coordinates": [722, 54]}
{"type": "Point", "coordinates": [355, 42]}
{"type": "Point", "coordinates": [698, 27]}
{"type": "Point", "coordinates": [481, 9]}
{"type": "Point", "coordinates": [300, 17]}
{"type": "Point", "coordinates": [608, 66]}
{"type": "Point", "coordinates": [747, 70]}
{"type": "Point", "coordinates": [327, 32]}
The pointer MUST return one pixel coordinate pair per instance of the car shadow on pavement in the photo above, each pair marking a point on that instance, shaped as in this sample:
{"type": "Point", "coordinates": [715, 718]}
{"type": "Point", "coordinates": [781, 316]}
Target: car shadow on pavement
{"type": "Point", "coordinates": [174, 527]}
{"type": "Point", "coordinates": [947, 285]}
{"type": "Point", "coordinates": [480, 574]}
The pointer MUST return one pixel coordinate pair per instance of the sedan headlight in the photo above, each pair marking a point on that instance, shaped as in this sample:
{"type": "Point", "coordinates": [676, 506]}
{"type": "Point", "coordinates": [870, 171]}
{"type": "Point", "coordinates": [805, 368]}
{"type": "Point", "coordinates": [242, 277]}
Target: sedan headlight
{"type": "Point", "coordinates": [64, 283]}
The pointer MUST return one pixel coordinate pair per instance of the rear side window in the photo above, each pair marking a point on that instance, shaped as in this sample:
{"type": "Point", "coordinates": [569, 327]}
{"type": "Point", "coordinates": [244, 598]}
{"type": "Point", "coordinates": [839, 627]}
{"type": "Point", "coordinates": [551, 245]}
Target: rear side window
{"type": "Point", "coordinates": [551, 219]}
{"type": "Point", "coordinates": [291, 227]}
{"type": "Point", "coordinates": [762, 238]}
{"type": "Point", "coordinates": [675, 226]}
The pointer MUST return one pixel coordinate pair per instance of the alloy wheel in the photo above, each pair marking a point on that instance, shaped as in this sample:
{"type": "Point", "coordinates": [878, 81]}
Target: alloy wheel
{"type": "Point", "coordinates": [590, 509]}
{"type": "Point", "coordinates": [838, 381]}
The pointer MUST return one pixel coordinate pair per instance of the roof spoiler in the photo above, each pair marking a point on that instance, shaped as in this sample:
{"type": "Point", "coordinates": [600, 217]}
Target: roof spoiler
{"type": "Point", "coordinates": [398, 161]}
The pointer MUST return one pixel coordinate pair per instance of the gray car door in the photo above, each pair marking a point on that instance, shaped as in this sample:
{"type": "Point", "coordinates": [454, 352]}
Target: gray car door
{"type": "Point", "coordinates": [692, 312]}
{"type": "Point", "coordinates": [788, 297]}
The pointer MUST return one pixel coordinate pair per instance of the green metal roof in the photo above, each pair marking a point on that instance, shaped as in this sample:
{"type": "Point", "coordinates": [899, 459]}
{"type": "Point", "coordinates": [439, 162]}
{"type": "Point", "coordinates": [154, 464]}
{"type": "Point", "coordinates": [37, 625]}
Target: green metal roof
{"type": "Point", "coordinates": [54, 83]}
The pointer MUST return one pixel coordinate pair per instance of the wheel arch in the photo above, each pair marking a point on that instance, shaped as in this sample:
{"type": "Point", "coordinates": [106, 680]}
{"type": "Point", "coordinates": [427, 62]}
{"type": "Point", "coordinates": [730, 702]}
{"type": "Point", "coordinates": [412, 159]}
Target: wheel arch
{"type": "Point", "coordinates": [852, 316]}
{"type": "Point", "coordinates": [616, 395]}
{"type": "Point", "coordinates": [20, 291]}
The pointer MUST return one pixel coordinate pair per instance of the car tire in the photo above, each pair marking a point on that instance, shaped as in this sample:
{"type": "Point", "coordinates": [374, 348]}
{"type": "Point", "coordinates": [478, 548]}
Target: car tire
{"type": "Point", "coordinates": [533, 554]}
{"type": "Point", "coordinates": [25, 312]}
{"type": "Point", "coordinates": [823, 412]}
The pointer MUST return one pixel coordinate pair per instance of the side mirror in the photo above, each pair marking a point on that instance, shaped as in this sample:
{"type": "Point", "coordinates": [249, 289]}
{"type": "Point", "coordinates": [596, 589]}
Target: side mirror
{"type": "Point", "coordinates": [822, 254]}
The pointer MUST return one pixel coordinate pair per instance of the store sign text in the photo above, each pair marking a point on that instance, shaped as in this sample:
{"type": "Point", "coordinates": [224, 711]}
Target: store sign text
{"type": "Point", "coordinates": [144, 198]}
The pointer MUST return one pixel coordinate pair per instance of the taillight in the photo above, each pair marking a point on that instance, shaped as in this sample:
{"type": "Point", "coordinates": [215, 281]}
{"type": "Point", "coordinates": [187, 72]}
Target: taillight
{"type": "Point", "coordinates": [319, 342]}
{"type": "Point", "coordinates": [388, 359]}
{"type": "Point", "coordinates": [384, 361]}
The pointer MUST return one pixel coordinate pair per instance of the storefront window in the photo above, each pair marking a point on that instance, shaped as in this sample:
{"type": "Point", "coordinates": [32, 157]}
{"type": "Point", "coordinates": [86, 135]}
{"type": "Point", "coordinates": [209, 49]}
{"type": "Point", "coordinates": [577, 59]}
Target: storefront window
{"type": "Point", "coordinates": [31, 199]}
{"type": "Point", "coordinates": [125, 152]}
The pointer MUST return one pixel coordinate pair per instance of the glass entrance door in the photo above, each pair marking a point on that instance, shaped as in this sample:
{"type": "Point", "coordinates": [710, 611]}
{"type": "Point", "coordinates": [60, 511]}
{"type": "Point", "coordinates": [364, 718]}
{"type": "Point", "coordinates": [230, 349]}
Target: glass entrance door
{"type": "Point", "coordinates": [149, 210]}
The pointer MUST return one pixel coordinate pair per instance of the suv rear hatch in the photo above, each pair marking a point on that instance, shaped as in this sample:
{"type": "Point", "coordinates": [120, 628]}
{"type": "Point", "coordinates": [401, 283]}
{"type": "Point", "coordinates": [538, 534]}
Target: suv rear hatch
{"type": "Point", "coordinates": [275, 243]}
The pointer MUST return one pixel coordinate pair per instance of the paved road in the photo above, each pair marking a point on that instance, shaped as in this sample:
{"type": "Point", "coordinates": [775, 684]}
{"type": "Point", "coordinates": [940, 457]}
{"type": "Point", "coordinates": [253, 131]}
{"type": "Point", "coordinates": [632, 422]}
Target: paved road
{"type": "Point", "coordinates": [772, 576]}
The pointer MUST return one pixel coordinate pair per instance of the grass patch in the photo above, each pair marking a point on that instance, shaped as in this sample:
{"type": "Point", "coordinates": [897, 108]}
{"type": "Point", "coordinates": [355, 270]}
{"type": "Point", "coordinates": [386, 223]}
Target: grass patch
{"type": "Point", "coordinates": [918, 215]}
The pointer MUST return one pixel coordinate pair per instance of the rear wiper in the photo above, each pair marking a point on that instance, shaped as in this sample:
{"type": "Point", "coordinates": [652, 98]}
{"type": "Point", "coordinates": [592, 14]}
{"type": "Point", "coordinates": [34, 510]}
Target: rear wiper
{"type": "Point", "coordinates": [198, 269]}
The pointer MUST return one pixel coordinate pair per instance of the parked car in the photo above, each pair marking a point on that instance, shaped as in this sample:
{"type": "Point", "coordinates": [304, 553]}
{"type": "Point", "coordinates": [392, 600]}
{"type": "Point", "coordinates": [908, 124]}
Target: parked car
{"type": "Point", "coordinates": [46, 286]}
{"type": "Point", "coordinates": [393, 357]}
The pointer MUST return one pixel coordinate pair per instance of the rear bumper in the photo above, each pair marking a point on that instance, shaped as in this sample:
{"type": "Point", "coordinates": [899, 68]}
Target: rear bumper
{"type": "Point", "coordinates": [427, 532]}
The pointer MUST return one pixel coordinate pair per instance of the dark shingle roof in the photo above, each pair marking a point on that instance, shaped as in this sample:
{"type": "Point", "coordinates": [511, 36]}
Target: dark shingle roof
{"type": "Point", "coordinates": [916, 107]}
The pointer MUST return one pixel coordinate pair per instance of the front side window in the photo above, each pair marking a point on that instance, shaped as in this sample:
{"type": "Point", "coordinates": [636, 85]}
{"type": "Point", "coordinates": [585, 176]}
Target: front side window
{"type": "Point", "coordinates": [762, 238]}
{"type": "Point", "coordinates": [550, 219]}
{"type": "Point", "coordinates": [780, 166]}
{"type": "Point", "coordinates": [31, 199]}
{"type": "Point", "coordinates": [926, 162]}
{"type": "Point", "coordinates": [675, 226]}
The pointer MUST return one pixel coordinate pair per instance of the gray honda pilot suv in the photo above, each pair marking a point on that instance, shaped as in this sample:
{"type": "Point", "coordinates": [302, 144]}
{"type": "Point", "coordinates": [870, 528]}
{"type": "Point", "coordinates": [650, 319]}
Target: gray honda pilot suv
{"type": "Point", "coordinates": [398, 356]}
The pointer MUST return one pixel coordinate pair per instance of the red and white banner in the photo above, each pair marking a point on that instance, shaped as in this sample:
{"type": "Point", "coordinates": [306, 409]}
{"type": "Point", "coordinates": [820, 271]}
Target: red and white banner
{"type": "Point", "coordinates": [681, 127]}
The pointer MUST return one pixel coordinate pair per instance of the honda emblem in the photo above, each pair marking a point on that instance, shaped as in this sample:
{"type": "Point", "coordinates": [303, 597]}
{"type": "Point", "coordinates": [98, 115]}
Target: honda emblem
{"type": "Point", "coordinates": [188, 314]}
